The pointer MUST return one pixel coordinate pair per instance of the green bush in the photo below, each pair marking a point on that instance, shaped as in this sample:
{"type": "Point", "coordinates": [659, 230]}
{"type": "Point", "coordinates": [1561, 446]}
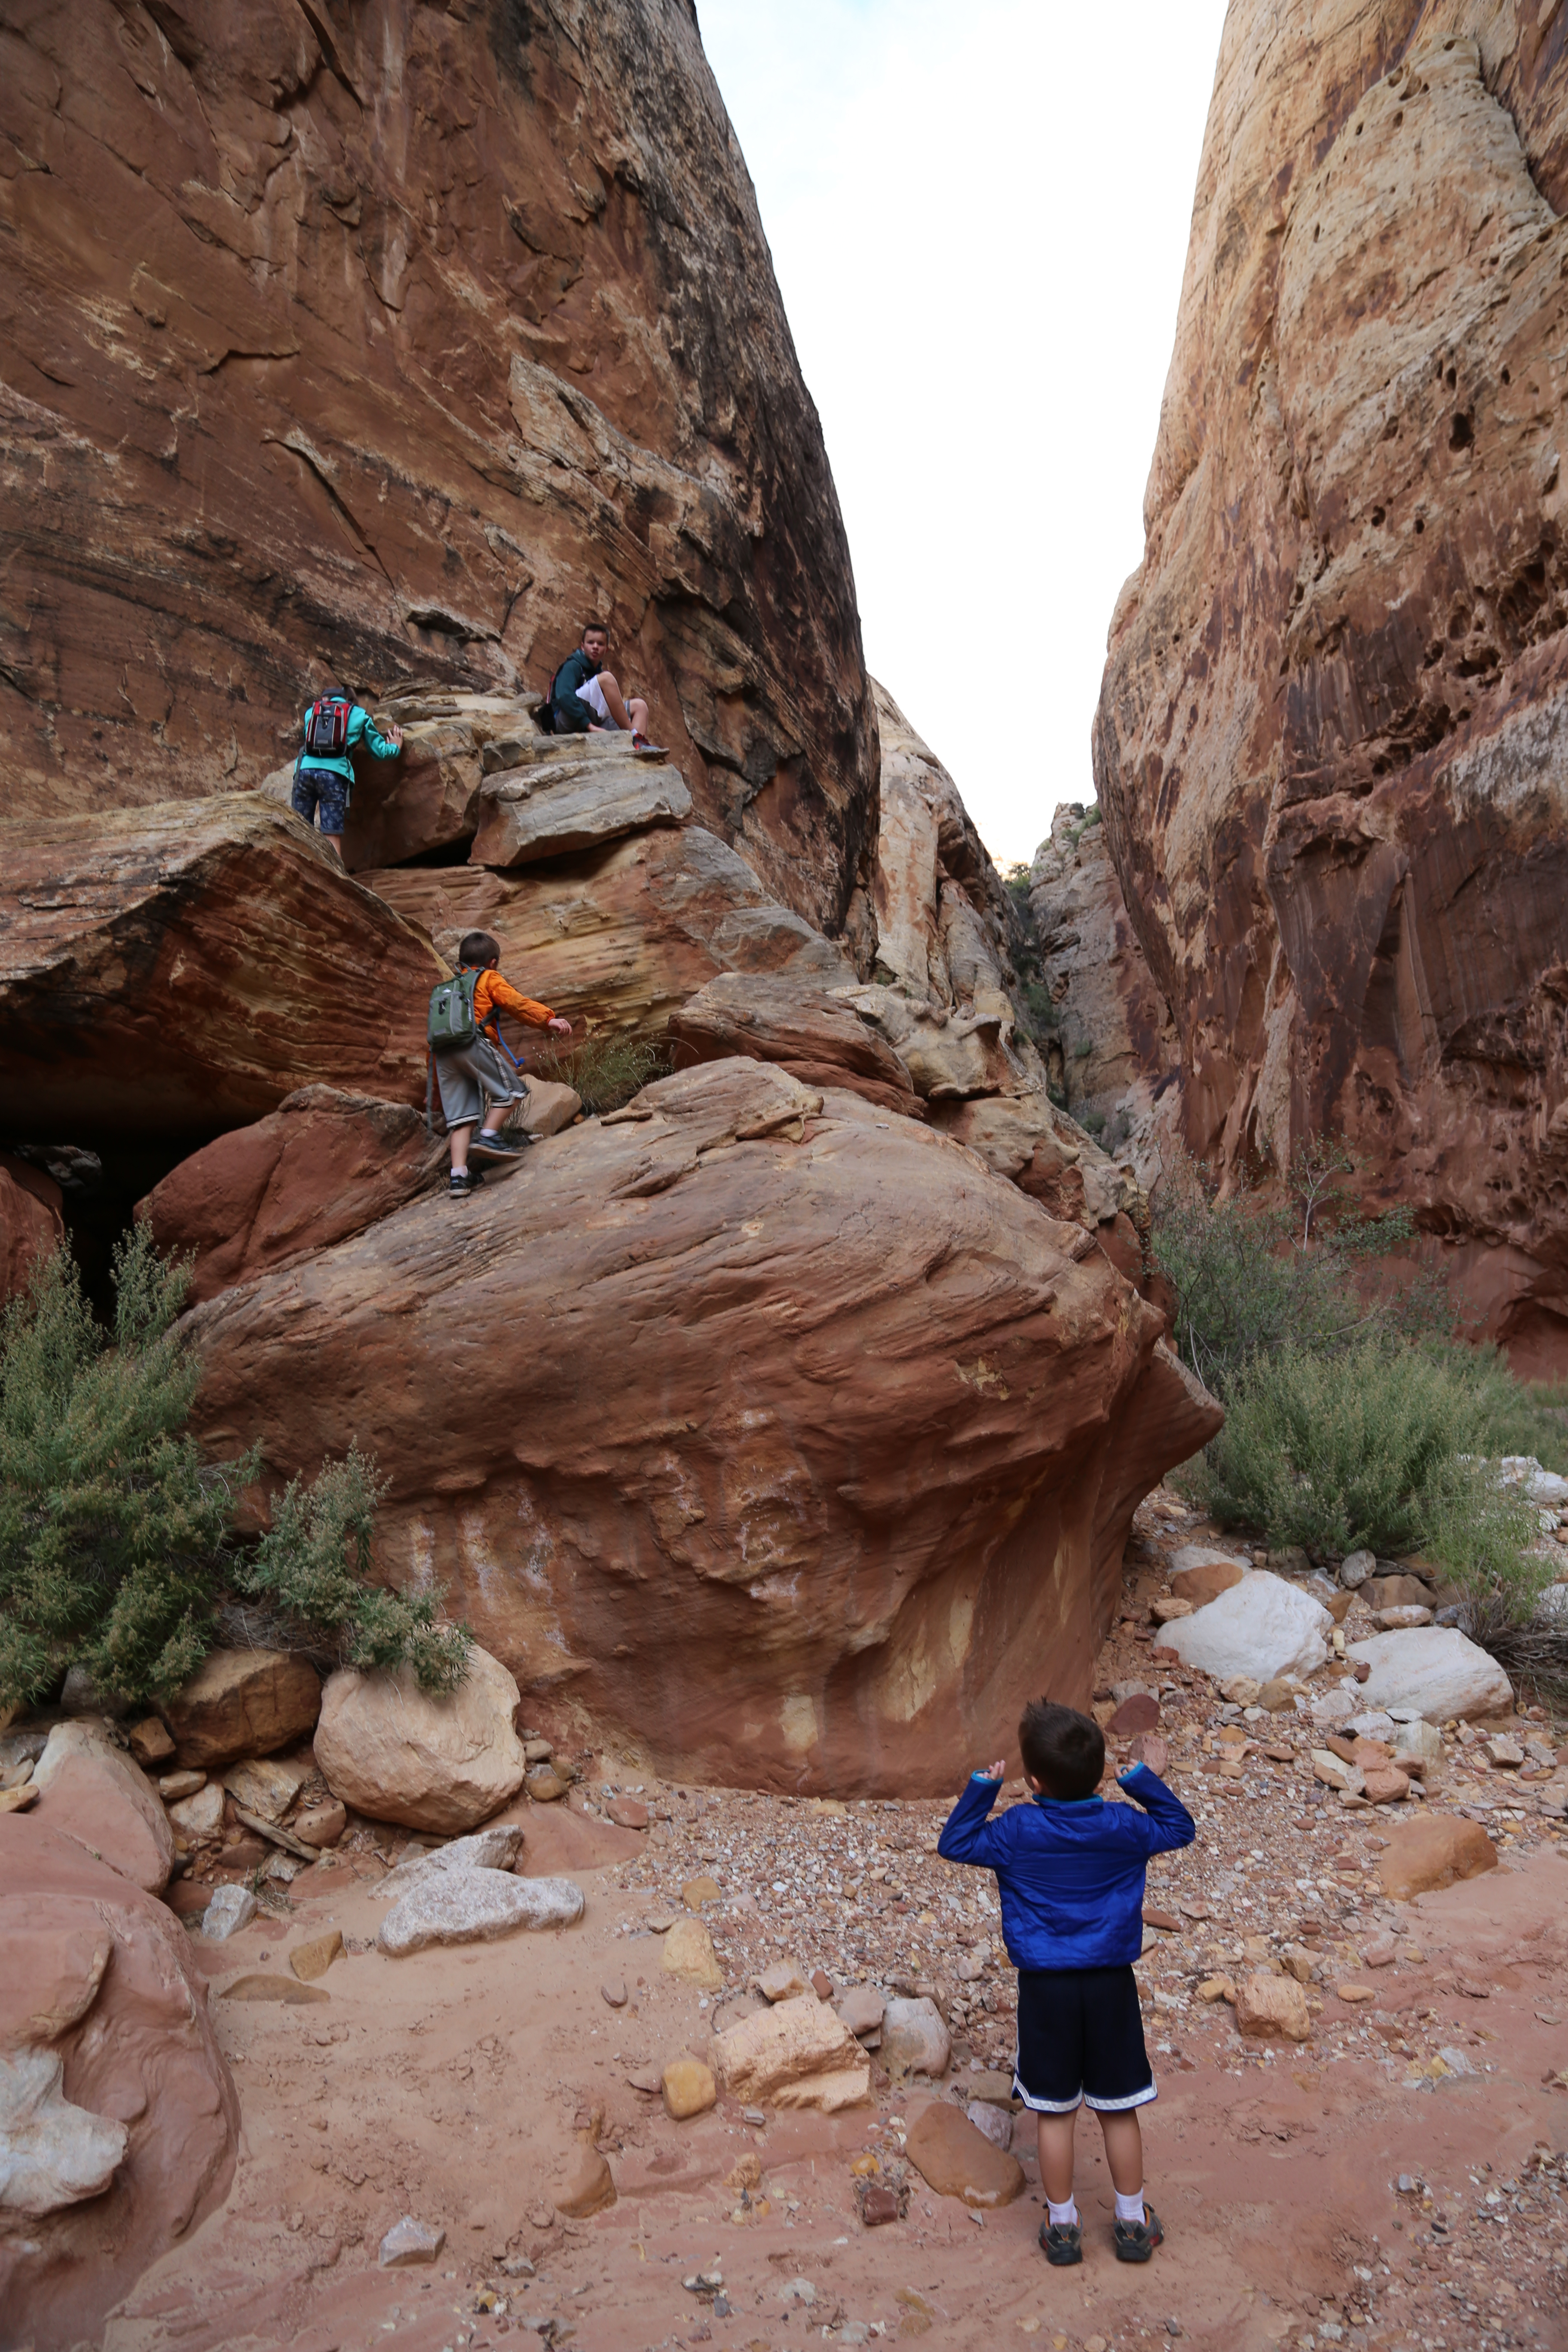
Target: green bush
{"type": "Point", "coordinates": [1038, 1011]}
{"type": "Point", "coordinates": [1255, 1277]}
{"type": "Point", "coordinates": [116, 1545]}
{"type": "Point", "coordinates": [605, 1070]}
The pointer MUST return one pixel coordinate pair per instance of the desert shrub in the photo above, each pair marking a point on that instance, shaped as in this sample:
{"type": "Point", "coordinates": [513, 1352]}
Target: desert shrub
{"type": "Point", "coordinates": [312, 1568]}
{"type": "Point", "coordinates": [1337, 1450]}
{"type": "Point", "coordinates": [117, 1551]}
{"type": "Point", "coordinates": [1038, 1011]}
{"type": "Point", "coordinates": [605, 1070]}
{"type": "Point", "coordinates": [1255, 1276]}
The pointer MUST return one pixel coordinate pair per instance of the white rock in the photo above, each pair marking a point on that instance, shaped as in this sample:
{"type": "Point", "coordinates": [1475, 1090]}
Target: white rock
{"type": "Point", "coordinates": [1551, 1608]}
{"type": "Point", "coordinates": [1375, 1725]}
{"type": "Point", "coordinates": [51, 2154]}
{"type": "Point", "coordinates": [995, 2123]}
{"type": "Point", "coordinates": [1543, 1486]}
{"type": "Point", "coordinates": [265, 1785]}
{"type": "Point", "coordinates": [1355, 1570]}
{"type": "Point", "coordinates": [1418, 1737]}
{"type": "Point", "coordinates": [1337, 1704]}
{"type": "Point", "coordinates": [200, 1816]}
{"type": "Point", "coordinates": [409, 2242]}
{"type": "Point", "coordinates": [1435, 1668]}
{"type": "Point", "coordinates": [495, 1847]}
{"type": "Point", "coordinates": [1402, 1617]}
{"type": "Point", "coordinates": [1262, 1627]}
{"type": "Point", "coordinates": [475, 1906]}
{"type": "Point", "coordinates": [915, 2040]}
{"type": "Point", "coordinates": [231, 1908]}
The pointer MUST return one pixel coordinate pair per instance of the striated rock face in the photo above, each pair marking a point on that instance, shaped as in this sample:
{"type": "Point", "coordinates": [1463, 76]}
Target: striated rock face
{"type": "Point", "coordinates": [809, 1445]}
{"type": "Point", "coordinates": [622, 935]}
{"type": "Point", "coordinates": [1113, 1053]}
{"type": "Point", "coordinates": [118, 2124]}
{"type": "Point", "coordinates": [1329, 744]}
{"type": "Point", "coordinates": [175, 970]}
{"type": "Point", "coordinates": [404, 339]}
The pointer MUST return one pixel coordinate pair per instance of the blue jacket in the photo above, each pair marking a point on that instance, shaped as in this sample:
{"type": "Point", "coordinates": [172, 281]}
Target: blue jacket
{"type": "Point", "coordinates": [1070, 1875]}
{"type": "Point", "coordinates": [362, 728]}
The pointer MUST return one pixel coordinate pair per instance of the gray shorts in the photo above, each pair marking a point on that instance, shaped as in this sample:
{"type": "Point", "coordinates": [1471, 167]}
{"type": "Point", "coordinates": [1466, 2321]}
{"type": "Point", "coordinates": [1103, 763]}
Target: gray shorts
{"type": "Point", "coordinates": [469, 1077]}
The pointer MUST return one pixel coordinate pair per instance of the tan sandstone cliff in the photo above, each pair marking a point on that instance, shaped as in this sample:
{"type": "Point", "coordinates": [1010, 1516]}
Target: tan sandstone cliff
{"type": "Point", "coordinates": [400, 339]}
{"type": "Point", "coordinates": [1331, 744]}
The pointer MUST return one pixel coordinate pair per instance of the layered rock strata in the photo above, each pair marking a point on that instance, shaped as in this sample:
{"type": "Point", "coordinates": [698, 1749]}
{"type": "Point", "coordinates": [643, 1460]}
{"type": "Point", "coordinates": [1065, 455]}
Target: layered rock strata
{"type": "Point", "coordinates": [401, 341]}
{"type": "Point", "coordinates": [173, 971]}
{"type": "Point", "coordinates": [817, 1443]}
{"type": "Point", "coordinates": [1328, 747]}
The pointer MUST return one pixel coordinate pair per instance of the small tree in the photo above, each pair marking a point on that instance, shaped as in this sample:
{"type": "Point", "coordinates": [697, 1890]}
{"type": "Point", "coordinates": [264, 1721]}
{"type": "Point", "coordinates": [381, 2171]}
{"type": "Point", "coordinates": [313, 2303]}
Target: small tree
{"type": "Point", "coordinates": [117, 1551]}
{"type": "Point", "coordinates": [109, 1522]}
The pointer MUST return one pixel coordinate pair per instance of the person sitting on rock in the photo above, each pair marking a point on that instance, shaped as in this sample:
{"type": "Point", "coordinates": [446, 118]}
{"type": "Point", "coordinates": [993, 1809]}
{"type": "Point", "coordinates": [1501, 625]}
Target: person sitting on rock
{"type": "Point", "coordinates": [1069, 1870]}
{"type": "Point", "coordinates": [335, 726]}
{"type": "Point", "coordinates": [585, 697]}
{"type": "Point", "coordinates": [475, 1080]}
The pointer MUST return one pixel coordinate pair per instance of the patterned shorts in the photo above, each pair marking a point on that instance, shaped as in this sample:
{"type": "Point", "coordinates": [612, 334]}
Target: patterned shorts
{"type": "Point", "coordinates": [322, 788]}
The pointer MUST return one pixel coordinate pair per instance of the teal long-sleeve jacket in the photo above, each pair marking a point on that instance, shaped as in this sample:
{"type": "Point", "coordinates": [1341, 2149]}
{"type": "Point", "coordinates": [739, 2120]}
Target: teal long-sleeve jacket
{"type": "Point", "coordinates": [362, 728]}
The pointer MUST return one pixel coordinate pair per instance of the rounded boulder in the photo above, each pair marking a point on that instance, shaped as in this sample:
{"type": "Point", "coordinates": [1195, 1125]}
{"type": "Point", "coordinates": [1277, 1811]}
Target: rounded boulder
{"type": "Point", "coordinates": [430, 1760]}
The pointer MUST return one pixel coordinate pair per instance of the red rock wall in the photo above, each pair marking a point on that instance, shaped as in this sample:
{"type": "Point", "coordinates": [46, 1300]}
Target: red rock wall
{"type": "Point", "coordinates": [1332, 740]}
{"type": "Point", "coordinates": [401, 338]}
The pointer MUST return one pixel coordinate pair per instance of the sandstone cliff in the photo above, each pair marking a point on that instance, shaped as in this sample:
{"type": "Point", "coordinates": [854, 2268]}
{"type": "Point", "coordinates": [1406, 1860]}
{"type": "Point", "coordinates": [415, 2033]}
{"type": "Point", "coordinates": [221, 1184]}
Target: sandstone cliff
{"type": "Point", "coordinates": [397, 339]}
{"type": "Point", "coordinates": [1329, 744]}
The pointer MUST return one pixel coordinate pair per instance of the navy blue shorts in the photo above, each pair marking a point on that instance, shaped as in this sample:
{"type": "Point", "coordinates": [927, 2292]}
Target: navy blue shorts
{"type": "Point", "coordinates": [322, 788]}
{"type": "Point", "coordinates": [1081, 2040]}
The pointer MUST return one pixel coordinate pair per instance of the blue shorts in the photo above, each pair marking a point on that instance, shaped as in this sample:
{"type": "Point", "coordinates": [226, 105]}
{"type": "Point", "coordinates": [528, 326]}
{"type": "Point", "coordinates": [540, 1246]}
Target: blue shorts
{"type": "Point", "coordinates": [322, 788]}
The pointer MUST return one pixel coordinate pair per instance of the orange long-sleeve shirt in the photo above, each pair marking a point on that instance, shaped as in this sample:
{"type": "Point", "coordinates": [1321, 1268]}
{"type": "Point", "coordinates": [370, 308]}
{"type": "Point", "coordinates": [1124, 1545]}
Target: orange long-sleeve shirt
{"type": "Point", "coordinates": [495, 994]}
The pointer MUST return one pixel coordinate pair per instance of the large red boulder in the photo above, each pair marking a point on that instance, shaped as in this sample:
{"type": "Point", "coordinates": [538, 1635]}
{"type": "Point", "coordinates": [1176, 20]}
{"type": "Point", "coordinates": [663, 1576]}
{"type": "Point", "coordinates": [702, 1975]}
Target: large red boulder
{"type": "Point", "coordinates": [31, 1224]}
{"type": "Point", "coordinates": [179, 969]}
{"type": "Point", "coordinates": [817, 1037]}
{"type": "Point", "coordinates": [323, 1165]}
{"type": "Point", "coordinates": [122, 2125]}
{"type": "Point", "coordinates": [782, 1435]}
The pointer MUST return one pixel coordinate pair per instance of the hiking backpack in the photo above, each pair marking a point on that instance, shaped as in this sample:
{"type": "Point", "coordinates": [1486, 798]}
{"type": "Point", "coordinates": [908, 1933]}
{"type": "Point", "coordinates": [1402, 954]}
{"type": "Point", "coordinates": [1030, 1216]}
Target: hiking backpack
{"type": "Point", "coordinates": [452, 1025]}
{"type": "Point", "coordinates": [544, 717]}
{"type": "Point", "coordinates": [327, 727]}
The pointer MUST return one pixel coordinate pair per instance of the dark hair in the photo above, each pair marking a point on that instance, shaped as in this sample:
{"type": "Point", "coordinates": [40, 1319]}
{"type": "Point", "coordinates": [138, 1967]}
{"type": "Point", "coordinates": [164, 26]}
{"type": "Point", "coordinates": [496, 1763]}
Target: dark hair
{"type": "Point", "coordinates": [477, 946]}
{"type": "Point", "coordinates": [1063, 1750]}
{"type": "Point", "coordinates": [603, 627]}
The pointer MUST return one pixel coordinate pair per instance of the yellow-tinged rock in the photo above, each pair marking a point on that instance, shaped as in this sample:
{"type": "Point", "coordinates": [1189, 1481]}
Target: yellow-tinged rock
{"type": "Point", "coordinates": [689, 1956]}
{"type": "Point", "coordinates": [313, 1959]}
{"type": "Point", "coordinates": [699, 1891]}
{"type": "Point", "coordinates": [798, 2054]}
{"type": "Point", "coordinates": [956, 2160]}
{"type": "Point", "coordinates": [1272, 2009]}
{"type": "Point", "coordinates": [1434, 1852]}
{"type": "Point", "coordinates": [689, 2088]}
{"type": "Point", "coordinates": [1356, 1993]}
{"type": "Point", "coordinates": [1216, 1989]}
{"type": "Point", "coordinates": [18, 1801]}
{"type": "Point", "coordinates": [588, 2185]}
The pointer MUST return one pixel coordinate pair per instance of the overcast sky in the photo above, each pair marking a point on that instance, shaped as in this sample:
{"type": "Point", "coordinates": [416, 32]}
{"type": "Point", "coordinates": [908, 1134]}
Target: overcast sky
{"type": "Point", "coordinates": [979, 220]}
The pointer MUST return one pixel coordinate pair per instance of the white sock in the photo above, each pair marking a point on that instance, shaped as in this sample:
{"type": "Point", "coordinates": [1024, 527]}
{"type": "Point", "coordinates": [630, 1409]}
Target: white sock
{"type": "Point", "coordinates": [1063, 2216]}
{"type": "Point", "coordinates": [1130, 2209]}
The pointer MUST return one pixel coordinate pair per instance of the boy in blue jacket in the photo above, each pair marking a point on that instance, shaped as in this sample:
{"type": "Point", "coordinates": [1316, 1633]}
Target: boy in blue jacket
{"type": "Point", "coordinates": [1069, 1870]}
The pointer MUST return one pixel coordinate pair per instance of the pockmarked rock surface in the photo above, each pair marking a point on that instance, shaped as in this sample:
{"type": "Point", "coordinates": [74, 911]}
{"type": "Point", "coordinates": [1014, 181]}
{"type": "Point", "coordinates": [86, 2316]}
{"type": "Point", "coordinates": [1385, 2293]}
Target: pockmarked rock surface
{"type": "Point", "coordinates": [430, 1760]}
{"type": "Point", "coordinates": [90, 1789]}
{"type": "Point", "coordinates": [1262, 1626]}
{"type": "Point", "coordinates": [622, 936]}
{"type": "Point", "coordinates": [135, 990]}
{"type": "Point", "coordinates": [1272, 2009]}
{"type": "Point", "coordinates": [1329, 740]}
{"type": "Point", "coordinates": [324, 1164]}
{"type": "Point", "coordinates": [1435, 1668]}
{"type": "Point", "coordinates": [474, 1906]}
{"type": "Point", "coordinates": [516, 348]}
{"type": "Point", "coordinates": [243, 1703]}
{"type": "Point", "coordinates": [794, 2055]}
{"type": "Point", "coordinates": [770, 1577]}
{"type": "Point", "coordinates": [118, 2124]}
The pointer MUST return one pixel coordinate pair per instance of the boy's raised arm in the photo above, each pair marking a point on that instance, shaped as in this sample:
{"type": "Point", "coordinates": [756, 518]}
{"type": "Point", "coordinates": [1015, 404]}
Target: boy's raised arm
{"type": "Point", "coordinates": [967, 1835]}
{"type": "Point", "coordinates": [1169, 1819]}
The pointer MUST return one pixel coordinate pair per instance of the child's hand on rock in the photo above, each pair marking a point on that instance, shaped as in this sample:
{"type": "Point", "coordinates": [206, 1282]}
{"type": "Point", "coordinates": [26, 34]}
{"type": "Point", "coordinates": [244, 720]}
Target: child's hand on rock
{"type": "Point", "coordinates": [560, 1026]}
{"type": "Point", "coordinates": [1151, 1749]}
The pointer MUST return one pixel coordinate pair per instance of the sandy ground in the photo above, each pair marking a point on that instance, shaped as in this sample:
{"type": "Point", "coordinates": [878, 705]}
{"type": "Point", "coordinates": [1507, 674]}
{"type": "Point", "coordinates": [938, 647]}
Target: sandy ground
{"type": "Point", "coordinates": [450, 2085]}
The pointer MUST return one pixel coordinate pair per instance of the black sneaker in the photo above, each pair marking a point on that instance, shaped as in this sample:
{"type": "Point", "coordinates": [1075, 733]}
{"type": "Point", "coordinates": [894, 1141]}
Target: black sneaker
{"type": "Point", "coordinates": [1061, 2243]}
{"type": "Point", "coordinates": [461, 1183]}
{"type": "Point", "coordinates": [1136, 2240]}
{"type": "Point", "coordinates": [490, 1145]}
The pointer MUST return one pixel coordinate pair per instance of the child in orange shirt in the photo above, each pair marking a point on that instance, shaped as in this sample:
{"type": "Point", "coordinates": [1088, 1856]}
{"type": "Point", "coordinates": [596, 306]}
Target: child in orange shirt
{"type": "Point", "coordinates": [475, 1081]}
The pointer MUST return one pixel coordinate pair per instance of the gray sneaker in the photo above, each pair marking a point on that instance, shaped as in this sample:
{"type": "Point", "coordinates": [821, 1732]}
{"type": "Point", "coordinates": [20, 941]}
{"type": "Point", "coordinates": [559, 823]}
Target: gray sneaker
{"type": "Point", "coordinates": [1136, 2240]}
{"type": "Point", "coordinates": [488, 1144]}
{"type": "Point", "coordinates": [1061, 2243]}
